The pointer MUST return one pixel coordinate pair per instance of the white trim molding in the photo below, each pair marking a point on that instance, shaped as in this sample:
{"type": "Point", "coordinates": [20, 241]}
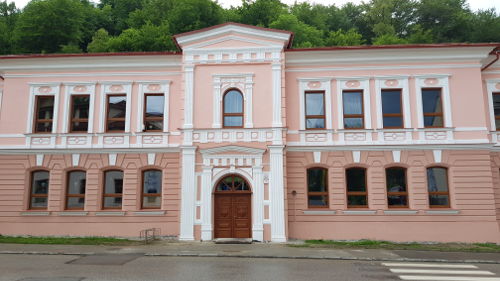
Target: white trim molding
{"type": "Point", "coordinates": [188, 186]}
{"type": "Point", "coordinates": [320, 84]}
{"type": "Point", "coordinates": [114, 139]}
{"type": "Point", "coordinates": [276, 194]}
{"type": "Point", "coordinates": [492, 86]}
{"type": "Point", "coordinates": [395, 83]}
{"type": "Point", "coordinates": [276, 92]}
{"type": "Point", "coordinates": [153, 87]}
{"type": "Point", "coordinates": [222, 83]}
{"type": "Point", "coordinates": [1, 98]}
{"type": "Point", "coordinates": [45, 139]}
{"type": "Point", "coordinates": [434, 81]}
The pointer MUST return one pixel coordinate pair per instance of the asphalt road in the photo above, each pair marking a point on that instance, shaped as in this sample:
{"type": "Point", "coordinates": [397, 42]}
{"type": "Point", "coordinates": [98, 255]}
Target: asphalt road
{"type": "Point", "coordinates": [123, 267]}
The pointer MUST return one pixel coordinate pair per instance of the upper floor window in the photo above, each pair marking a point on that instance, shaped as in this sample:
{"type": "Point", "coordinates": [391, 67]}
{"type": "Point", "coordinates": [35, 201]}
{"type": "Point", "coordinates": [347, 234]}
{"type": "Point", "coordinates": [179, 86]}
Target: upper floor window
{"type": "Point", "coordinates": [154, 105]}
{"type": "Point", "coordinates": [80, 105]}
{"type": "Point", "coordinates": [39, 190]}
{"type": "Point", "coordinates": [432, 108]}
{"type": "Point", "coordinates": [353, 109]}
{"type": "Point", "coordinates": [113, 190]}
{"type": "Point", "coordinates": [151, 189]}
{"type": "Point", "coordinates": [116, 113]}
{"type": "Point", "coordinates": [317, 188]}
{"type": "Point", "coordinates": [44, 114]}
{"type": "Point", "coordinates": [357, 195]}
{"type": "Point", "coordinates": [392, 108]}
{"type": "Point", "coordinates": [496, 109]}
{"type": "Point", "coordinates": [232, 113]}
{"type": "Point", "coordinates": [397, 192]}
{"type": "Point", "coordinates": [75, 191]}
{"type": "Point", "coordinates": [437, 185]}
{"type": "Point", "coordinates": [315, 110]}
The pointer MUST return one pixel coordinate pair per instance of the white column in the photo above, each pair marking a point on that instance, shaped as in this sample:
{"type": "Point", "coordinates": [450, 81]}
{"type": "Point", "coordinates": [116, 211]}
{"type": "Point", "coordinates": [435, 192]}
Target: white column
{"type": "Point", "coordinates": [188, 193]}
{"type": "Point", "coordinates": [216, 123]}
{"type": "Point", "coordinates": [276, 94]}
{"type": "Point", "coordinates": [258, 204]}
{"type": "Point", "coordinates": [188, 96]}
{"type": "Point", "coordinates": [248, 102]}
{"type": "Point", "coordinates": [206, 206]}
{"type": "Point", "coordinates": [276, 194]}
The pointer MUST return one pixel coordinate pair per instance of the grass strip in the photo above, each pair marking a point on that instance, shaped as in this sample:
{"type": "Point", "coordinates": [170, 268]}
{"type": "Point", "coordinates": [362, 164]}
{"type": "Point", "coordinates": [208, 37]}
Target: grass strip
{"type": "Point", "coordinates": [67, 240]}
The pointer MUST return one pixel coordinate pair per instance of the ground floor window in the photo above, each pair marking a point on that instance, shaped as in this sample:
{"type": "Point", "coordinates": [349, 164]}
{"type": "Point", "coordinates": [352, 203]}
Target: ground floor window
{"type": "Point", "coordinates": [437, 185]}
{"type": "Point", "coordinates": [397, 192]}
{"type": "Point", "coordinates": [113, 189]}
{"type": "Point", "coordinates": [357, 195]}
{"type": "Point", "coordinates": [39, 190]}
{"type": "Point", "coordinates": [151, 189]}
{"type": "Point", "coordinates": [75, 190]}
{"type": "Point", "coordinates": [317, 188]}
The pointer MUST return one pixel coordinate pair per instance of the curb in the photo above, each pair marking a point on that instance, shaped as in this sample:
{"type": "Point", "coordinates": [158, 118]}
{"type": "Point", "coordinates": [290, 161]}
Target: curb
{"type": "Point", "coordinates": [218, 255]}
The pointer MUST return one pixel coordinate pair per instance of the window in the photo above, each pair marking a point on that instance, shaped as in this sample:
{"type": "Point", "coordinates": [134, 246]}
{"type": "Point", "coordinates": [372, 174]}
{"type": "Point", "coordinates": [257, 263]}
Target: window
{"type": "Point", "coordinates": [153, 112]}
{"type": "Point", "coordinates": [317, 188]}
{"type": "Point", "coordinates": [357, 196]}
{"type": "Point", "coordinates": [432, 107]}
{"type": "Point", "coordinates": [496, 109]}
{"type": "Point", "coordinates": [315, 110]}
{"type": "Point", "coordinates": [39, 190]}
{"type": "Point", "coordinates": [80, 105]}
{"type": "Point", "coordinates": [397, 193]}
{"type": "Point", "coordinates": [75, 190]}
{"type": "Point", "coordinates": [392, 109]}
{"type": "Point", "coordinates": [44, 114]}
{"type": "Point", "coordinates": [116, 112]}
{"type": "Point", "coordinates": [232, 114]}
{"type": "Point", "coordinates": [437, 185]}
{"type": "Point", "coordinates": [353, 109]}
{"type": "Point", "coordinates": [113, 190]}
{"type": "Point", "coordinates": [151, 189]}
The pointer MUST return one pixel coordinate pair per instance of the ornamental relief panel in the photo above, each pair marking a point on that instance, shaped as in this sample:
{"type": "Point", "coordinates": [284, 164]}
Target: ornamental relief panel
{"type": "Point", "coordinates": [76, 140]}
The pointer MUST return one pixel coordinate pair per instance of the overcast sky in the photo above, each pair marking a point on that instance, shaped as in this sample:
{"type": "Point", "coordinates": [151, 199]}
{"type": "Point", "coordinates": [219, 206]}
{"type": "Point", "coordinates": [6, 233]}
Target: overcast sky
{"type": "Point", "coordinates": [474, 4]}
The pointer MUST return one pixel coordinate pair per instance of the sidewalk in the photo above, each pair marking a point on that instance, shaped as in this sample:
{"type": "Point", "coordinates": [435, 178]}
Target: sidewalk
{"type": "Point", "coordinates": [257, 250]}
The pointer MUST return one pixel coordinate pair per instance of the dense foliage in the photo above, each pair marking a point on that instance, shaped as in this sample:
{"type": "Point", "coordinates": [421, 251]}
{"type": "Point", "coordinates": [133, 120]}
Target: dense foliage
{"type": "Point", "coordinates": [72, 26]}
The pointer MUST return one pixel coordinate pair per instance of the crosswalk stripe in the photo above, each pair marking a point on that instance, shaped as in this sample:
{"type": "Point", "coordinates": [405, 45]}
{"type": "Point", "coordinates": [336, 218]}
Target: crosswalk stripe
{"type": "Point", "coordinates": [434, 271]}
{"type": "Point", "coordinates": [447, 278]}
{"type": "Point", "coordinates": [464, 266]}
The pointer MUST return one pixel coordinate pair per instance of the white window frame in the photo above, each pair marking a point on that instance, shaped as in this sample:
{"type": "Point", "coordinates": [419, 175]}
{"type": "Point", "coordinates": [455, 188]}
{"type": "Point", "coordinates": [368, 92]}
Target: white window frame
{"type": "Point", "coordinates": [78, 88]}
{"type": "Point", "coordinates": [443, 83]}
{"type": "Point", "coordinates": [159, 87]}
{"type": "Point", "coordinates": [491, 88]}
{"type": "Point", "coordinates": [223, 82]}
{"type": "Point", "coordinates": [1, 98]}
{"type": "Point", "coordinates": [387, 82]}
{"type": "Point", "coordinates": [43, 89]}
{"type": "Point", "coordinates": [315, 84]}
{"type": "Point", "coordinates": [343, 84]}
{"type": "Point", "coordinates": [114, 88]}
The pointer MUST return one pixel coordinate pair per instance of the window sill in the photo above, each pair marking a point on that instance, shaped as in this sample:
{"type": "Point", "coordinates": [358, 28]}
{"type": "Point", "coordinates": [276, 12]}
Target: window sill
{"type": "Point", "coordinates": [400, 212]}
{"type": "Point", "coordinates": [318, 212]}
{"type": "Point", "coordinates": [110, 214]}
{"type": "Point", "coordinates": [35, 213]}
{"type": "Point", "coordinates": [359, 212]}
{"type": "Point", "coordinates": [442, 212]}
{"type": "Point", "coordinates": [72, 214]}
{"type": "Point", "coordinates": [150, 213]}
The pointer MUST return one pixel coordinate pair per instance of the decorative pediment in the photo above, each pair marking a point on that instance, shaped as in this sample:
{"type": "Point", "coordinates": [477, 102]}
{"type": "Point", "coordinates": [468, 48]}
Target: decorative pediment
{"type": "Point", "coordinates": [232, 149]}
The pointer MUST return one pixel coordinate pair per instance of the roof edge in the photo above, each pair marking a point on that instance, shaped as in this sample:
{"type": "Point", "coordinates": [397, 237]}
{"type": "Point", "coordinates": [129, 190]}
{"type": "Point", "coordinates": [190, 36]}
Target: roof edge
{"type": "Point", "coordinates": [404, 46]}
{"type": "Point", "coordinates": [31, 56]}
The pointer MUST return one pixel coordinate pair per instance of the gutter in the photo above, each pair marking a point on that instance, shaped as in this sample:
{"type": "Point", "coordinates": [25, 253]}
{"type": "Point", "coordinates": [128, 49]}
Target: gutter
{"type": "Point", "coordinates": [494, 52]}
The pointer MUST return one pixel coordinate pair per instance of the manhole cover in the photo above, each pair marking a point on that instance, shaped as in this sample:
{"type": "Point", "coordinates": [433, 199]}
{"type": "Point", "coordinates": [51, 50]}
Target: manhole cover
{"type": "Point", "coordinates": [52, 279]}
{"type": "Point", "coordinates": [106, 259]}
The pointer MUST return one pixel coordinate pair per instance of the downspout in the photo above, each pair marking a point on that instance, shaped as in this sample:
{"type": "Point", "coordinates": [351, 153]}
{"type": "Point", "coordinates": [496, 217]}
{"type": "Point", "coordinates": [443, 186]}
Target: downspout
{"type": "Point", "coordinates": [497, 53]}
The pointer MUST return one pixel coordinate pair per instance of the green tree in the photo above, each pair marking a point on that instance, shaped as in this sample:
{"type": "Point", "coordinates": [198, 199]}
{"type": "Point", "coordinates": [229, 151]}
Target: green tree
{"type": "Point", "coordinates": [420, 36]}
{"type": "Point", "coordinates": [120, 10]}
{"type": "Point", "coordinates": [261, 12]}
{"type": "Point", "coordinates": [304, 35]}
{"type": "Point", "coordinates": [485, 27]}
{"type": "Point", "coordinates": [8, 17]}
{"type": "Point", "coordinates": [99, 42]}
{"type": "Point", "coordinates": [46, 25]}
{"type": "Point", "coordinates": [187, 15]}
{"type": "Point", "coordinates": [313, 15]}
{"type": "Point", "coordinates": [388, 39]}
{"type": "Point", "coordinates": [343, 38]}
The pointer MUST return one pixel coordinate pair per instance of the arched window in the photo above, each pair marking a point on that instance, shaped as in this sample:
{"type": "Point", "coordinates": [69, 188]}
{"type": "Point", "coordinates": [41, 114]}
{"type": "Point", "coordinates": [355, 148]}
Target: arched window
{"type": "Point", "coordinates": [232, 113]}
{"type": "Point", "coordinates": [232, 183]}
{"type": "Point", "coordinates": [39, 189]}
{"type": "Point", "coordinates": [151, 189]}
{"type": "Point", "coordinates": [437, 185]}
{"type": "Point", "coordinates": [113, 189]}
{"type": "Point", "coordinates": [75, 190]}
{"type": "Point", "coordinates": [397, 191]}
{"type": "Point", "coordinates": [357, 195]}
{"type": "Point", "coordinates": [317, 188]}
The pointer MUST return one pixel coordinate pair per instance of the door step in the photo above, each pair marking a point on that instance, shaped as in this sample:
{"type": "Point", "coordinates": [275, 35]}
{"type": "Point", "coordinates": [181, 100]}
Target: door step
{"type": "Point", "coordinates": [233, 241]}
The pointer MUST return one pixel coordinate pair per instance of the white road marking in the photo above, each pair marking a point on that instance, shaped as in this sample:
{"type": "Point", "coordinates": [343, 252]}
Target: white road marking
{"type": "Point", "coordinates": [447, 278]}
{"type": "Point", "coordinates": [434, 271]}
{"type": "Point", "coordinates": [441, 265]}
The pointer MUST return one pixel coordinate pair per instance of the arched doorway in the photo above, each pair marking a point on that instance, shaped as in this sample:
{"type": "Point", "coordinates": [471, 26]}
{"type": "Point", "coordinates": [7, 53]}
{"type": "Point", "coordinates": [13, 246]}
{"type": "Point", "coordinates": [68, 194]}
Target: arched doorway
{"type": "Point", "coordinates": [232, 208]}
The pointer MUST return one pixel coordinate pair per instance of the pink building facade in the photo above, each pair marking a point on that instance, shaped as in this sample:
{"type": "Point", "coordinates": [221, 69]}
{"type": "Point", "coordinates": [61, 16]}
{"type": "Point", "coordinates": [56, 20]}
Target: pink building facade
{"type": "Point", "coordinates": [241, 136]}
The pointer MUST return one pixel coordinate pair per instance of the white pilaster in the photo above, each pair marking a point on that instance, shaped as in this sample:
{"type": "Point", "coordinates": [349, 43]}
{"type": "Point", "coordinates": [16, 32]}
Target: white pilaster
{"type": "Point", "coordinates": [276, 68]}
{"type": "Point", "coordinates": [188, 194]}
{"type": "Point", "coordinates": [276, 194]}
{"type": "Point", "coordinates": [188, 97]}
{"type": "Point", "coordinates": [206, 207]}
{"type": "Point", "coordinates": [258, 204]}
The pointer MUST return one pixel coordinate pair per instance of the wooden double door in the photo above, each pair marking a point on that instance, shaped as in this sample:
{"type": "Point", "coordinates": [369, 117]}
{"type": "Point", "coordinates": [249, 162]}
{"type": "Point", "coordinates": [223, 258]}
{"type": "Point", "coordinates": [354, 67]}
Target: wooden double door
{"type": "Point", "coordinates": [232, 209]}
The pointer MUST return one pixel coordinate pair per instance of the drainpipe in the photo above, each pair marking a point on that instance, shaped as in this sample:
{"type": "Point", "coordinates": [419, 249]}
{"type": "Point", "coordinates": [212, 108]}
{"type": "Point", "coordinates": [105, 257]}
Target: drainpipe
{"type": "Point", "coordinates": [494, 52]}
